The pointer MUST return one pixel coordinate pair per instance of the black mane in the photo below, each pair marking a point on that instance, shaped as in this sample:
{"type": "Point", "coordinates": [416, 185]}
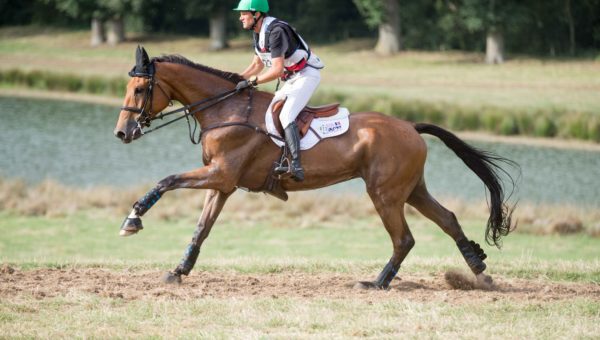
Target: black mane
{"type": "Point", "coordinates": [178, 59]}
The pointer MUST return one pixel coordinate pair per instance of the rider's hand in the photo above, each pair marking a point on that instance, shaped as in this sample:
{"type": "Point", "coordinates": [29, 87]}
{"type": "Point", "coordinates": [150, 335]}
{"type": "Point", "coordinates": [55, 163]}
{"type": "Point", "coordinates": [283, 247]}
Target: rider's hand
{"type": "Point", "coordinates": [251, 82]}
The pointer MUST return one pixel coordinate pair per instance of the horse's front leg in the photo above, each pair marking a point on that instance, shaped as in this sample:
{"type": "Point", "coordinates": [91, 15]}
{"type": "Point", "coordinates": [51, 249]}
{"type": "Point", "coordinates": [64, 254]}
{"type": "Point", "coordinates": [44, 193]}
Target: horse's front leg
{"type": "Point", "coordinates": [213, 204]}
{"type": "Point", "coordinates": [207, 177]}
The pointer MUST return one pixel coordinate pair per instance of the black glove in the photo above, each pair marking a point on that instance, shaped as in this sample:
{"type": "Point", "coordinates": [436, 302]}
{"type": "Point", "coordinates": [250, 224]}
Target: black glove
{"type": "Point", "coordinates": [242, 85]}
{"type": "Point", "coordinates": [246, 83]}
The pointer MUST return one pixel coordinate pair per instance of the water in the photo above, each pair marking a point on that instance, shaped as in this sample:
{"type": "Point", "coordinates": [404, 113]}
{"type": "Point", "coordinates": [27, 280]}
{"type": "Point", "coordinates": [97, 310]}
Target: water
{"type": "Point", "coordinates": [73, 144]}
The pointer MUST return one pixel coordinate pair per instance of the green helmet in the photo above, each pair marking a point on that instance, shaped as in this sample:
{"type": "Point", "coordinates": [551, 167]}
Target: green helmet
{"type": "Point", "coordinates": [253, 6]}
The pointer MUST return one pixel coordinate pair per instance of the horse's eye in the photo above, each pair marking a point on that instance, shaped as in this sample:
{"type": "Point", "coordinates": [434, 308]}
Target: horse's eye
{"type": "Point", "coordinates": [138, 90]}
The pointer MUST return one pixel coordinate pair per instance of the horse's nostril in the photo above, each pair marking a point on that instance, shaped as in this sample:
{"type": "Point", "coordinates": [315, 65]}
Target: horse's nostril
{"type": "Point", "coordinates": [120, 135]}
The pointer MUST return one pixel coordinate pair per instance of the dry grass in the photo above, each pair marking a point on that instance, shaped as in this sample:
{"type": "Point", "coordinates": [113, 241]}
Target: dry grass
{"type": "Point", "coordinates": [51, 199]}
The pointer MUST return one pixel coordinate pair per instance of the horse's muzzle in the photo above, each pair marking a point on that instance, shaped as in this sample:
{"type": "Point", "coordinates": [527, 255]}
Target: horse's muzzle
{"type": "Point", "coordinates": [132, 131]}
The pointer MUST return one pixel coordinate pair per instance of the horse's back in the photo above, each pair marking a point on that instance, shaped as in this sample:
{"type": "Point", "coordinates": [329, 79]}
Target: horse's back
{"type": "Point", "coordinates": [374, 143]}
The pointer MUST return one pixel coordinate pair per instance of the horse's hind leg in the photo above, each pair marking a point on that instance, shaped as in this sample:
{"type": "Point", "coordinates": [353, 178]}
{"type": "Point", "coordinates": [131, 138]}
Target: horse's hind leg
{"type": "Point", "coordinates": [213, 204]}
{"type": "Point", "coordinates": [392, 216]}
{"type": "Point", "coordinates": [428, 206]}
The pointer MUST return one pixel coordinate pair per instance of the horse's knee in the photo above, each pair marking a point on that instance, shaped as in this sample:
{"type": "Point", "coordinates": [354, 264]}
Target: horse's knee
{"type": "Point", "coordinates": [167, 182]}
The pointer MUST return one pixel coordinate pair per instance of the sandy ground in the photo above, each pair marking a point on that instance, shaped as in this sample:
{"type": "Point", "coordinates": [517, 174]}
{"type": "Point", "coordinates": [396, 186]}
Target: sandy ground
{"type": "Point", "coordinates": [135, 285]}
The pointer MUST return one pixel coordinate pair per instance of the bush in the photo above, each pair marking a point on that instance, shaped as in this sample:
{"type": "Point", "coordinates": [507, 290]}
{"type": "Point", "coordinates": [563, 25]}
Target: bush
{"type": "Point", "coordinates": [575, 126]}
{"type": "Point", "coordinates": [95, 85]}
{"type": "Point", "coordinates": [509, 126]}
{"type": "Point", "coordinates": [505, 121]}
{"type": "Point", "coordinates": [544, 127]}
{"type": "Point", "coordinates": [525, 122]}
{"type": "Point", "coordinates": [490, 119]}
{"type": "Point", "coordinates": [593, 132]}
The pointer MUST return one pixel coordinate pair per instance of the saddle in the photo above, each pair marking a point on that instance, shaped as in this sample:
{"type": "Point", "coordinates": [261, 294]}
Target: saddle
{"type": "Point", "coordinates": [305, 117]}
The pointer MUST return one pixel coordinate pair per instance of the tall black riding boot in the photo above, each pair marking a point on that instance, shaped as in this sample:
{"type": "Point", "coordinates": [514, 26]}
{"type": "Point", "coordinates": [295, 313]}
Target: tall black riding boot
{"type": "Point", "coordinates": [292, 138]}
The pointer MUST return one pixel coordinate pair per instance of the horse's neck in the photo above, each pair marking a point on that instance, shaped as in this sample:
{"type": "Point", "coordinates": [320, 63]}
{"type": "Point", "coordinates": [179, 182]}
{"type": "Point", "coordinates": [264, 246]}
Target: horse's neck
{"type": "Point", "coordinates": [190, 86]}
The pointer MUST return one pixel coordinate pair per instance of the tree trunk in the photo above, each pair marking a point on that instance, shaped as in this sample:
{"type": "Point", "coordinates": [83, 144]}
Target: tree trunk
{"type": "Point", "coordinates": [571, 22]}
{"type": "Point", "coordinates": [389, 41]}
{"type": "Point", "coordinates": [97, 32]}
{"type": "Point", "coordinates": [494, 50]}
{"type": "Point", "coordinates": [218, 30]}
{"type": "Point", "coordinates": [115, 31]}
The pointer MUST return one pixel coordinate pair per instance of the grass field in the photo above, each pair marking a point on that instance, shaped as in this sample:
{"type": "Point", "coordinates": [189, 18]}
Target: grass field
{"type": "Point", "coordinates": [269, 271]}
{"type": "Point", "coordinates": [450, 77]}
{"type": "Point", "coordinates": [72, 276]}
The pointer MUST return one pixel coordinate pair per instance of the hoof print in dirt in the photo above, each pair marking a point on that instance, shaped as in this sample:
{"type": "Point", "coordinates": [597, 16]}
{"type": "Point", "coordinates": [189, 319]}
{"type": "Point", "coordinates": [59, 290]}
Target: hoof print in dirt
{"type": "Point", "coordinates": [170, 278]}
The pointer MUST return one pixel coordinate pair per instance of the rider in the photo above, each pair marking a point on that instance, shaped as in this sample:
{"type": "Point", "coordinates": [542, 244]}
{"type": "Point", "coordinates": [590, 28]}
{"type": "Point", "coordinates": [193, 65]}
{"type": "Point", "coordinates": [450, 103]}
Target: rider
{"type": "Point", "coordinates": [278, 46]}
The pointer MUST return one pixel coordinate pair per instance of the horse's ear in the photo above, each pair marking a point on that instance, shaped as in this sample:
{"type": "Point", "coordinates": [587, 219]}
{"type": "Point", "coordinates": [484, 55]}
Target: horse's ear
{"type": "Point", "coordinates": [145, 58]}
{"type": "Point", "coordinates": [138, 56]}
{"type": "Point", "coordinates": [143, 67]}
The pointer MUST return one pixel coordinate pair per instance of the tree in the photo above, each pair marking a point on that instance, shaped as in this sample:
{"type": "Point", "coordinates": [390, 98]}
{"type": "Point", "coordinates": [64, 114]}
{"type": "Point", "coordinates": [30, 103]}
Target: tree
{"type": "Point", "coordinates": [384, 14]}
{"type": "Point", "coordinates": [216, 11]}
{"type": "Point", "coordinates": [97, 12]}
{"type": "Point", "coordinates": [488, 20]}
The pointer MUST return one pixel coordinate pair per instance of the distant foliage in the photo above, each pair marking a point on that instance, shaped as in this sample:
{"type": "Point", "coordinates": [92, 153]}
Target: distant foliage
{"type": "Point", "coordinates": [371, 10]}
{"type": "Point", "coordinates": [549, 27]}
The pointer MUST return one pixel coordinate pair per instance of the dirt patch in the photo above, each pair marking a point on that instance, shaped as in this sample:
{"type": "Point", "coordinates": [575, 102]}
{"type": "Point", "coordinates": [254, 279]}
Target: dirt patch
{"type": "Point", "coordinates": [134, 285]}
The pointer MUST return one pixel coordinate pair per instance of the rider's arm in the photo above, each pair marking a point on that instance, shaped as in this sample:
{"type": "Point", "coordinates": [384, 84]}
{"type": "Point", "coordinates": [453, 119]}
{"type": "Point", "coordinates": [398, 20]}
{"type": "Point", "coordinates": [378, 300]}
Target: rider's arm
{"type": "Point", "coordinates": [274, 72]}
{"type": "Point", "coordinates": [254, 68]}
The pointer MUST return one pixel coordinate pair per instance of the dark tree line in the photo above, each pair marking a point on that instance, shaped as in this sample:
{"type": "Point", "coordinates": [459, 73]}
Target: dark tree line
{"type": "Point", "coordinates": [541, 27]}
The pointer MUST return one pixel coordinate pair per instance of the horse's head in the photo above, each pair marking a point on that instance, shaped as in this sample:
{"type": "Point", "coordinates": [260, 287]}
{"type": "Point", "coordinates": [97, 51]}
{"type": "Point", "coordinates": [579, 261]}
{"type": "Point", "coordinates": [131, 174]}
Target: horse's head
{"type": "Point", "coordinates": [142, 103]}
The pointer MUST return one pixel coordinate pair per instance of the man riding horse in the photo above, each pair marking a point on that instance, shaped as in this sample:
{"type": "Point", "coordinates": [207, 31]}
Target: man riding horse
{"type": "Point", "coordinates": [238, 151]}
{"type": "Point", "coordinates": [280, 48]}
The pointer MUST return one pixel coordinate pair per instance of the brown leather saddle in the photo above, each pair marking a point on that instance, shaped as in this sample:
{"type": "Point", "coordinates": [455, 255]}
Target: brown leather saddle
{"type": "Point", "coordinates": [305, 117]}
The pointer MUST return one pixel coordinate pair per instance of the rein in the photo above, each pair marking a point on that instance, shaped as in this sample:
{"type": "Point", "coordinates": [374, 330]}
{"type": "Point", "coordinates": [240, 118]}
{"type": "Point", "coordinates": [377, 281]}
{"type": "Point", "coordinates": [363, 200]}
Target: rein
{"type": "Point", "coordinates": [144, 119]}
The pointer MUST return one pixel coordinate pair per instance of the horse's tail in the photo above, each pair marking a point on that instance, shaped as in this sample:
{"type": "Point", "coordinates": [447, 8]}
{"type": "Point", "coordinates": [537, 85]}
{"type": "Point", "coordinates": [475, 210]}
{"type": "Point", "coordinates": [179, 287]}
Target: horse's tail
{"type": "Point", "coordinates": [486, 166]}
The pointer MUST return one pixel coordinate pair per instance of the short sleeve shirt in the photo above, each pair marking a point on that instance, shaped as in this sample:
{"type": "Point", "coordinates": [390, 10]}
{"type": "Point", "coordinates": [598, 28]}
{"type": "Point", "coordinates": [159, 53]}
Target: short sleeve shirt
{"type": "Point", "coordinates": [279, 42]}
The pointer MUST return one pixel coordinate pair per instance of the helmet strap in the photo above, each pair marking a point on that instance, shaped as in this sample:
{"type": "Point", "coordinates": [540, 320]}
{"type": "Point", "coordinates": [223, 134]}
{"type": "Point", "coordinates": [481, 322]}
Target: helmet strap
{"type": "Point", "coordinates": [256, 18]}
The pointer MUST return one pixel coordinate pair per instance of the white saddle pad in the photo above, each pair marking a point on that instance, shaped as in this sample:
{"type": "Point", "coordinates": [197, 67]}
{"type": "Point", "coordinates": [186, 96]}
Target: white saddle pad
{"type": "Point", "coordinates": [320, 128]}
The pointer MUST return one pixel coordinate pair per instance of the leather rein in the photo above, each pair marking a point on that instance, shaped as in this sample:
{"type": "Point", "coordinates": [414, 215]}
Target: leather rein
{"type": "Point", "coordinates": [144, 119]}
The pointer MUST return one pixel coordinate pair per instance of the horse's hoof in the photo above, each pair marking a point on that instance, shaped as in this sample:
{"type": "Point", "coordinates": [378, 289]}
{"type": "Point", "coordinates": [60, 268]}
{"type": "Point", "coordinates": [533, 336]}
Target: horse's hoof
{"type": "Point", "coordinates": [131, 226]}
{"type": "Point", "coordinates": [170, 278]}
{"type": "Point", "coordinates": [367, 285]}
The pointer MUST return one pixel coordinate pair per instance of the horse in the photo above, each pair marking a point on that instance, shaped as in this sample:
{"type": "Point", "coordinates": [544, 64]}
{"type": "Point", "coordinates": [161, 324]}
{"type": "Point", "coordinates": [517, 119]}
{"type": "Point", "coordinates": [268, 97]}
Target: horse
{"type": "Point", "coordinates": [387, 153]}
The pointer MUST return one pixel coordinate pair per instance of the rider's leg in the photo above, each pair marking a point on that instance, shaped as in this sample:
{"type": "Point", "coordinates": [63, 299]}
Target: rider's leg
{"type": "Point", "coordinates": [298, 91]}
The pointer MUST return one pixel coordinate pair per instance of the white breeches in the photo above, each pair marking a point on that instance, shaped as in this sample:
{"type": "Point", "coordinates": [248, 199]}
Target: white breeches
{"type": "Point", "coordinates": [298, 90]}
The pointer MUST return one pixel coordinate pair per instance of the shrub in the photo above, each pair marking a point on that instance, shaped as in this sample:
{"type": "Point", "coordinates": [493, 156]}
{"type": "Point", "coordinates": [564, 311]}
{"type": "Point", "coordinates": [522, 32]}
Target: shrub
{"type": "Point", "coordinates": [525, 122]}
{"type": "Point", "coordinates": [490, 119]}
{"type": "Point", "coordinates": [575, 126]}
{"type": "Point", "coordinates": [593, 132]}
{"type": "Point", "coordinates": [544, 127]}
{"type": "Point", "coordinates": [95, 85]}
{"type": "Point", "coordinates": [508, 126]}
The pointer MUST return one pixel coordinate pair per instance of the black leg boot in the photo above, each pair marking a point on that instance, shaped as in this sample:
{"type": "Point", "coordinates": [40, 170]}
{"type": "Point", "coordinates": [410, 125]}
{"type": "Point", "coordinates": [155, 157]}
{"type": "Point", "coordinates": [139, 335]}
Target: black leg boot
{"type": "Point", "coordinates": [292, 138]}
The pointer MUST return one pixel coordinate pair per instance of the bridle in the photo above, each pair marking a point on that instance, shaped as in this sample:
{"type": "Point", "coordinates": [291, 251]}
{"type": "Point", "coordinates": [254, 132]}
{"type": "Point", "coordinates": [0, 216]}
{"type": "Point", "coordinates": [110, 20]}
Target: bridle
{"type": "Point", "coordinates": [144, 120]}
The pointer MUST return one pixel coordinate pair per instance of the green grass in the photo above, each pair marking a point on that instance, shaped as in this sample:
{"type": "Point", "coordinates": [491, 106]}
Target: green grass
{"type": "Point", "coordinates": [524, 96]}
{"type": "Point", "coordinates": [449, 77]}
{"type": "Point", "coordinates": [89, 239]}
{"type": "Point", "coordinates": [286, 318]}
{"type": "Point", "coordinates": [256, 247]}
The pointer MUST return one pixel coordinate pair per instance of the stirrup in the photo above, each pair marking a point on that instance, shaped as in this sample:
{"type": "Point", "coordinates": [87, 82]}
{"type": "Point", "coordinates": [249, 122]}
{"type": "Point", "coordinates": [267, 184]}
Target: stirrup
{"type": "Point", "coordinates": [281, 168]}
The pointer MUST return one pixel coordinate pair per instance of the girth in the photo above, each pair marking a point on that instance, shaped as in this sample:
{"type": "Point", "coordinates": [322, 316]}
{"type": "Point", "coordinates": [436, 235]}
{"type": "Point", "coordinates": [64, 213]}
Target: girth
{"type": "Point", "coordinates": [305, 117]}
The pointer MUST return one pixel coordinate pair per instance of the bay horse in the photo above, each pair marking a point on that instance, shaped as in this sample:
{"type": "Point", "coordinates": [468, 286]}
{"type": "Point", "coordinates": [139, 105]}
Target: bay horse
{"type": "Point", "coordinates": [386, 152]}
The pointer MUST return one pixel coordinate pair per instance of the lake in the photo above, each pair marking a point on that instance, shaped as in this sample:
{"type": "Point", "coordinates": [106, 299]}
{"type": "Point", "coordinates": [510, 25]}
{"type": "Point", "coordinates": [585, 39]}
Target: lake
{"type": "Point", "coordinates": [73, 143]}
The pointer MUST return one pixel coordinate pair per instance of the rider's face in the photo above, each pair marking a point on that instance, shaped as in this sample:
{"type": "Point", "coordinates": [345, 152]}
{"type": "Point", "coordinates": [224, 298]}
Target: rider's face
{"type": "Point", "coordinates": [247, 19]}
